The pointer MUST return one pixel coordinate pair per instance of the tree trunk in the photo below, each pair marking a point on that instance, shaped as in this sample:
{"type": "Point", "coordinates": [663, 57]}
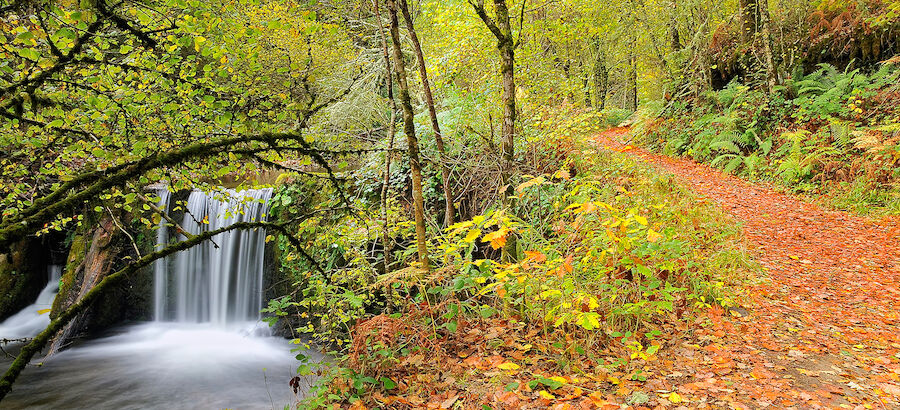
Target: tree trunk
{"type": "Point", "coordinates": [632, 93]}
{"type": "Point", "coordinates": [385, 233]}
{"type": "Point", "coordinates": [771, 68]}
{"type": "Point", "coordinates": [601, 80]}
{"type": "Point", "coordinates": [502, 30]}
{"type": "Point", "coordinates": [449, 211]}
{"type": "Point", "coordinates": [409, 129]}
{"type": "Point", "coordinates": [507, 72]}
{"type": "Point", "coordinates": [750, 20]}
{"type": "Point", "coordinates": [586, 86]}
{"type": "Point", "coordinates": [756, 34]}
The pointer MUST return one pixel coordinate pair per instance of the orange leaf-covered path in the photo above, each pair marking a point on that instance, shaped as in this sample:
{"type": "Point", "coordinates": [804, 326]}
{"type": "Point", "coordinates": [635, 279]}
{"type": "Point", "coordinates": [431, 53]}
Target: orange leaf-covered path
{"type": "Point", "coordinates": [822, 329]}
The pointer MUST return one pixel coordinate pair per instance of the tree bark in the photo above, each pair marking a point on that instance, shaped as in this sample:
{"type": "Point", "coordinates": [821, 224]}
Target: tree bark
{"type": "Point", "coordinates": [750, 20]}
{"type": "Point", "coordinates": [501, 28]}
{"type": "Point", "coordinates": [632, 93]}
{"type": "Point", "coordinates": [756, 34]}
{"type": "Point", "coordinates": [771, 68]}
{"type": "Point", "coordinates": [385, 183]}
{"type": "Point", "coordinates": [449, 211]}
{"type": "Point", "coordinates": [507, 73]}
{"type": "Point", "coordinates": [409, 129]}
{"type": "Point", "coordinates": [601, 79]}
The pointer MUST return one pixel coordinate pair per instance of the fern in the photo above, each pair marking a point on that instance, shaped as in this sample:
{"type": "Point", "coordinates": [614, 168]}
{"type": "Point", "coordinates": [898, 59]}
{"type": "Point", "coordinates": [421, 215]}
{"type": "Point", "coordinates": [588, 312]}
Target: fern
{"type": "Point", "coordinates": [841, 133]}
{"type": "Point", "coordinates": [725, 145]}
{"type": "Point", "coordinates": [731, 162]}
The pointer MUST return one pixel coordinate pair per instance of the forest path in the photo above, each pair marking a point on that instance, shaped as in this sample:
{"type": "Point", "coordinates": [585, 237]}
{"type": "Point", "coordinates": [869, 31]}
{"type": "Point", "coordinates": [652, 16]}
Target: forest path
{"type": "Point", "coordinates": [823, 328]}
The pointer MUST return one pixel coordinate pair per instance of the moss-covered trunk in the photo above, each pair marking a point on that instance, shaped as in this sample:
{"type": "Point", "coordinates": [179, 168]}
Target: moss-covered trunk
{"type": "Point", "coordinates": [97, 251]}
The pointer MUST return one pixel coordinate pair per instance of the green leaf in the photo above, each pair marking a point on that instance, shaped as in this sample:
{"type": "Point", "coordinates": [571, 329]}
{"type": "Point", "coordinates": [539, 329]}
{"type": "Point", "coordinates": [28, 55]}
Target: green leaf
{"type": "Point", "coordinates": [388, 383]}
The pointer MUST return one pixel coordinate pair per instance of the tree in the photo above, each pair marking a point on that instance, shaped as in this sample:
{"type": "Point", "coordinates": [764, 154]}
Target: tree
{"type": "Point", "coordinates": [756, 33]}
{"type": "Point", "coordinates": [601, 78]}
{"type": "Point", "coordinates": [502, 30]}
{"type": "Point", "coordinates": [409, 128]}
{"type": "Point", "coordinates": [392, 104]}
{"type": "Point", "coordinates": [449, 211]}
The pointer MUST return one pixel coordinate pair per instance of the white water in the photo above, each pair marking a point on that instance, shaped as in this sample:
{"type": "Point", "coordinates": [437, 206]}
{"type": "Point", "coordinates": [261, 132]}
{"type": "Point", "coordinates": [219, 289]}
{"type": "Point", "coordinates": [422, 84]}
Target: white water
{"type": "Point", "coordinates": [160, 267]}
{"type": "Point", "coordinates": [29, 321]}
{"type": "Point", "coordinates": [163, 366]}
{"type": "Point", "coordinates": [205, 349]}
{"type": "Point", "coordinates": [220, 281]}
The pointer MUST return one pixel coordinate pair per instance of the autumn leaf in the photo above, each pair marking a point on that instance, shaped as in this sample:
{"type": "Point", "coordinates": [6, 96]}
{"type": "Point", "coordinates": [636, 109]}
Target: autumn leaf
{"type": "Point", "coordinates": [675, 398]}
{"type": "Point", "coordinates": [532, 182]}
{"type": "Point", "coordinates": [536, 256]}
{"type": "Point", "coordinates": [641, 220]}
{"type": "Point", "coordinates": [472, 236]}
{"type": "Point", "coordinates": [508, 366]}
{"type": "Point", "coordinates": [497, 238]}
{"type": "Point", "coordinates": [653, 236]}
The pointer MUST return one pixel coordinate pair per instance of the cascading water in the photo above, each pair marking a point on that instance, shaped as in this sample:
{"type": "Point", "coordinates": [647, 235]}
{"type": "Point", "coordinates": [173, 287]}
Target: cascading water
{"type": "Point", "coordinates": [198, 352]}
{"type": "Point", "coordinates": [220, 281]}
{"type": "Point", "coordinates": [35, 317]}
{"type": "Point", "coordinates": [160, 267]}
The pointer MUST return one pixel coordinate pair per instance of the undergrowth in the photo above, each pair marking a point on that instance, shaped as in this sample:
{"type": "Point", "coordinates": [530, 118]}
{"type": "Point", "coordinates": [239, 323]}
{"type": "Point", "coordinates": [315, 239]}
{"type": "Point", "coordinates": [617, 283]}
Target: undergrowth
{"type": "Point", "coordinates": [612, 258]}
{"type": "Point", "coordinates": [832, 134]}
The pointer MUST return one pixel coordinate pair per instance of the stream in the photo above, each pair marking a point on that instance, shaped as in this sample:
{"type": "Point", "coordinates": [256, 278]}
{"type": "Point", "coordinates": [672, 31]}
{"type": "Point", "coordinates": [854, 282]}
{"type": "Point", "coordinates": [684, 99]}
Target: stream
{"type": "Point", "coordinates": [163, 366]}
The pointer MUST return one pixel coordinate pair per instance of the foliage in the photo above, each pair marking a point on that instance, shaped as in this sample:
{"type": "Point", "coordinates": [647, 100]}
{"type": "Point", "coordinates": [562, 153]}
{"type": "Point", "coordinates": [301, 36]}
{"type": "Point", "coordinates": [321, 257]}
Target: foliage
{"type": "Point", "coordinates": [822, 132]}
{"type": "Point", "coordinates": [613, 254]}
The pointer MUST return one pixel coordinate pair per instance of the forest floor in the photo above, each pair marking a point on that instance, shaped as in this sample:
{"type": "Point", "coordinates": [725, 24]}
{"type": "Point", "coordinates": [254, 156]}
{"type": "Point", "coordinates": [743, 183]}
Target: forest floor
{"type": "Point", "coordinates": [821, 330]}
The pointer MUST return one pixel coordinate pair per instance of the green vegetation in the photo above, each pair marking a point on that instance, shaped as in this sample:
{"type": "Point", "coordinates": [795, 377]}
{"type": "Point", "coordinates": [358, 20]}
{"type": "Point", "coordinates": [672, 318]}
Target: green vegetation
{"type": "Point", "coordinates": [611, 252]}
{"type": "Point", "coordinates": [830, 132]}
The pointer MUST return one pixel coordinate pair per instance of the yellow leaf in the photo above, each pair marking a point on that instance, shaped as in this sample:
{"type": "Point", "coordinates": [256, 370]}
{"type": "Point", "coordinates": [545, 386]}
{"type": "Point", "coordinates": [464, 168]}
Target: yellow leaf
{"type": "Point", "coordinates": [546, 395]}
{"type": "Point", "coordinates": [641, 220]}
{"type": "Point", "coordinates": [472, 235]}
{"type": "Point", "coordinates": [675, 398]}
{"type": "Point", "coordinates": [508, 366]}
{"type": "Point", "coordinates": [531, 182]}
{"type": "Point", "coordinates": [42, 311]}
{"type": "Point", "coordinates": [653, 236]}
{"type": "Point", "coordinates": [559, 379]}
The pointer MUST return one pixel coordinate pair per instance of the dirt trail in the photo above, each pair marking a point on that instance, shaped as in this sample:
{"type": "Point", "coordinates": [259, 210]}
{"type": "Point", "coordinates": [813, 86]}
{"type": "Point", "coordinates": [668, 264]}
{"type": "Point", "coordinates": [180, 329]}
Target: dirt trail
{"type": "Point", "coordinates": [823, 330]}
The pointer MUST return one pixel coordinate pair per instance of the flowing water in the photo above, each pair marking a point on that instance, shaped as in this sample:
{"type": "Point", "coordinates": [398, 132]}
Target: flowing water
{"type": "Point", "coordinates": [35, 317]}
{"type": "Point", "coordinates": [205, 349]}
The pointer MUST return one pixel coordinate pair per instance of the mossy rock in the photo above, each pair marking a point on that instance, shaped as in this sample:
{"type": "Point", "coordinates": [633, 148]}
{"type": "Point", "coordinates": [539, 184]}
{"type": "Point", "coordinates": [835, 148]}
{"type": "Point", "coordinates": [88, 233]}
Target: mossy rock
{"type": "Point", "coordinates": [22, 276]}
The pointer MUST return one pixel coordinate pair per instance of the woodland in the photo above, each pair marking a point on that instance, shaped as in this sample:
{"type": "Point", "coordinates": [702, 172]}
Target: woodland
{"type": "Point", "coordinates": [469, 204]}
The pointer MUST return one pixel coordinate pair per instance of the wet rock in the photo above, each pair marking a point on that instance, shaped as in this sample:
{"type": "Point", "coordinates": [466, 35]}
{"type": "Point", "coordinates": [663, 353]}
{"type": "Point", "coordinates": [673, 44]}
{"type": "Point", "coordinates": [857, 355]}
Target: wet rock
{"type": "Point", "coordinates": [98, 250]}
{"type": "Point", "coordinates": [23, 273]}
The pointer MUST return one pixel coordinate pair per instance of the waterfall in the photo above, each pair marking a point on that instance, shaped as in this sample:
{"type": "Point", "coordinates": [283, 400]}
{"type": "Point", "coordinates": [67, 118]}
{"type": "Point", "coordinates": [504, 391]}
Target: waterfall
{"type": "Point", "coordinates": [160, 267]}
{"type": "Point", "coordinates": [221, 280]}
{"type": "Point", "coordinates": [35, 317]}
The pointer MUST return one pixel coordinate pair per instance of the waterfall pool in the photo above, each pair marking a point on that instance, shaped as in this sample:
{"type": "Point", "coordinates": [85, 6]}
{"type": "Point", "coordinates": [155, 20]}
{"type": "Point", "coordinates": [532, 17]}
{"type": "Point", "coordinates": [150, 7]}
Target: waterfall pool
{"type": "Point", "coordinates": [161, 365]}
